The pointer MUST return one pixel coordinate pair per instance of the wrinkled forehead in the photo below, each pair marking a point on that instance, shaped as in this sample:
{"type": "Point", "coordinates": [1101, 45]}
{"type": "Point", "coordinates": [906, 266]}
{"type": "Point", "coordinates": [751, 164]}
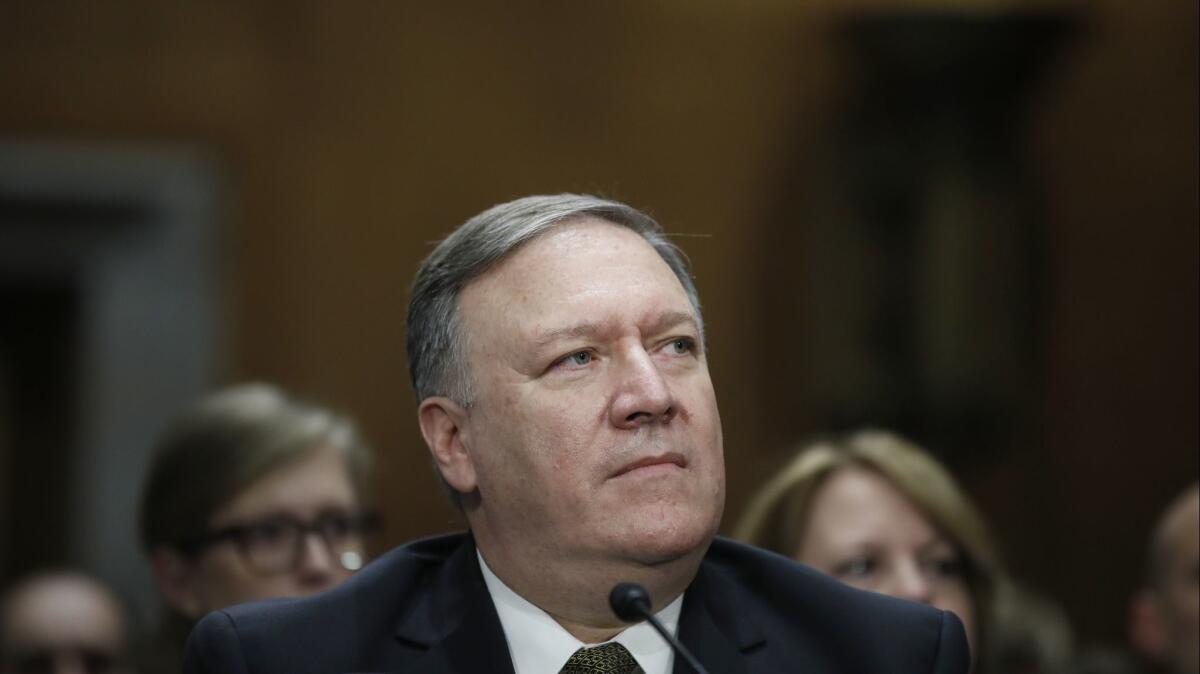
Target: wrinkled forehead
{"type": "Point", "coordinates": [574, 236]}
{"type": "Point", "coordinates": [576, 264]}
{"type": "Point", "coordinates": [560, 248]}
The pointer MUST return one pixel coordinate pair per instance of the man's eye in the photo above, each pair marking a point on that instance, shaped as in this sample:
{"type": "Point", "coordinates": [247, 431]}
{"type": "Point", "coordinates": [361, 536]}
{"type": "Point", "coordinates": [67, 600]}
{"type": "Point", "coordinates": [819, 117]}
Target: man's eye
{"type": "Point", "coordinates": [682, 346]}
{"type": "Point", "coordinates": [578, 359]}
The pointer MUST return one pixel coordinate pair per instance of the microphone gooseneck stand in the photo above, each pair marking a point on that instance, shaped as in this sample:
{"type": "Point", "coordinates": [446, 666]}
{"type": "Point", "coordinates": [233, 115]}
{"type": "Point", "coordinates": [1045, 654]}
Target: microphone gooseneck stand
{"type": "Point", "coordinates": [631, 603]}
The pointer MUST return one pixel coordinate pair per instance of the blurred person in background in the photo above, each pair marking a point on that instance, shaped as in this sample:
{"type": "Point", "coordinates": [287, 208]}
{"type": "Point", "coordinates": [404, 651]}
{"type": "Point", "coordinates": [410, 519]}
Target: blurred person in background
{"type": "Point", "coordinates": [1164, 623]}
{"type": "Point", "coordinates": [1104, 660]}
{"type": "Point", "coordinates": [878, 513]}
{"type": "Point", "coordinates": [1030, 633]}
{"type": "Point", "coordinates": [250, 494]}
{"type": "Point", "coordinates": [62, 622]}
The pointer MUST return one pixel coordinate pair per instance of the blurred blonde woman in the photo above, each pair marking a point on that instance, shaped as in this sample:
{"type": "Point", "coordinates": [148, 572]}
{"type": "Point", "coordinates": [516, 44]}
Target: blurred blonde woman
{"type": "Point", "coordinates": [878, 513]}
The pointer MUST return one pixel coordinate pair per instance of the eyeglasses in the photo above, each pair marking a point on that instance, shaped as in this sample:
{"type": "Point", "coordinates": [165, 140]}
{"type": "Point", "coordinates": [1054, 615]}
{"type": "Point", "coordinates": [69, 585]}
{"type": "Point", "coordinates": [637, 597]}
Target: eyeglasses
{"type": "Point", "coordinates": [276, 544]}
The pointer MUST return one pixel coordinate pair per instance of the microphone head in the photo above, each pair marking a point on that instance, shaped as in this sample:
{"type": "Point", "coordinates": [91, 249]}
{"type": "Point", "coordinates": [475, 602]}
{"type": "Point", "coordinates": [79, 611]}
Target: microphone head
{"type": "Point", "coordinates": [630, 602]}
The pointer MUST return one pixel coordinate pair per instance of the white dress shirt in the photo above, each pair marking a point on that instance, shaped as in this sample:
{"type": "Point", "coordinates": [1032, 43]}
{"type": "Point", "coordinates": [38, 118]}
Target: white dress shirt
{"type": "Point", "coordinates": [539, 645]}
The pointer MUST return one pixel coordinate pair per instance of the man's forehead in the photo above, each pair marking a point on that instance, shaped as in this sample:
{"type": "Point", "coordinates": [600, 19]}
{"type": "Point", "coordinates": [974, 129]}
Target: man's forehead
{"type": "Point", "coordinates": [586, 276]}
{"type": "Point", "coordinates": [579, 235]}
{"type": "Point", "coordinates": [568, 253]}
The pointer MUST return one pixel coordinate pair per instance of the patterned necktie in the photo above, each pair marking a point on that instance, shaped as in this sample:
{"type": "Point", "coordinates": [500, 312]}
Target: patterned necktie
{"type": "Point", "coordinates": [610, 658]}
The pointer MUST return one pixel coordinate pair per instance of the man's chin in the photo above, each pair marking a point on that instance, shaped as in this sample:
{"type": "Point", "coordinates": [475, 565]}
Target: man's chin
{"type": "Point", "coordinates": [665, 542]}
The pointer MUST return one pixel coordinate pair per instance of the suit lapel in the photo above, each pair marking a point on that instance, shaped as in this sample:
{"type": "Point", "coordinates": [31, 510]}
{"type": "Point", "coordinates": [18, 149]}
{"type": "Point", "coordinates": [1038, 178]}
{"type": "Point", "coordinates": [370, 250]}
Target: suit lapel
{"type": "Point", "coordinates": [455, 623]}
{"type": "Point", "coordinates": [709, 626]}
{"type": "Point", "coordinates": [453, 628]}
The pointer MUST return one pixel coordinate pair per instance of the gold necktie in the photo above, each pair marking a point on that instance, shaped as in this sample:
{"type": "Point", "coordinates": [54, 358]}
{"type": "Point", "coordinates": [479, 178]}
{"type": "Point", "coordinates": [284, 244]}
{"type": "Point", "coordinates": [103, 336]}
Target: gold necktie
{"type": "Point", "coordinates": [610, 658]}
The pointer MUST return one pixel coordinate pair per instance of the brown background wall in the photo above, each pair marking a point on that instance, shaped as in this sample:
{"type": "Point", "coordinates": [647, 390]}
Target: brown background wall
{"type": "Point", "coordinates": [355, 134]}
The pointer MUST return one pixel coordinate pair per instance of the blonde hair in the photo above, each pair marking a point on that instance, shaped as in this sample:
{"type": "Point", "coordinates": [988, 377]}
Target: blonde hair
{"type": "Point", "coordinates": [777, 517]}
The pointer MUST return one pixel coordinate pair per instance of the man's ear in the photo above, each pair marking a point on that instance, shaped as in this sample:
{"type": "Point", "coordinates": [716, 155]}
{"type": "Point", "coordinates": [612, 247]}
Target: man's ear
{"type": "Point", "coordinates": [176, 579]}
{"type": "Point", "coordinates": [444, 425]}
{"type": "Point", "coordinates": [1147, 630]}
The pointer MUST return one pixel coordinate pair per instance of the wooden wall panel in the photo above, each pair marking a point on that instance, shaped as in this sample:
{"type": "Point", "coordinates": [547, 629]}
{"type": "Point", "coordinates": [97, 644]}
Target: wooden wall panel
{"type": "Point", "coordinates": [354, 135]}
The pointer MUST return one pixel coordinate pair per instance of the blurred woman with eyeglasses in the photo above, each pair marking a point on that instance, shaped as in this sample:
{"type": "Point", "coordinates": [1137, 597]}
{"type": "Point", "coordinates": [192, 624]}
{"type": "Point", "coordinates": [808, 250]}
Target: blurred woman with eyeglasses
{"type": "Point", "coordinates": [250, 495]}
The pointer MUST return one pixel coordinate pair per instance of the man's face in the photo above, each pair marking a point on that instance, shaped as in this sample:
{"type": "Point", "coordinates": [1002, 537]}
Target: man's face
{"type": "Point", "coordinates": [593, 433]}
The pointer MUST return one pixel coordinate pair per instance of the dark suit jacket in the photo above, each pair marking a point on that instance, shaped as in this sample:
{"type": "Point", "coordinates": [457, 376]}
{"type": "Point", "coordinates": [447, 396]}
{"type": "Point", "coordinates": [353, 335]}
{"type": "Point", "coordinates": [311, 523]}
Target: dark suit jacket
{"type": "Point", "coordinates": [423, 607]}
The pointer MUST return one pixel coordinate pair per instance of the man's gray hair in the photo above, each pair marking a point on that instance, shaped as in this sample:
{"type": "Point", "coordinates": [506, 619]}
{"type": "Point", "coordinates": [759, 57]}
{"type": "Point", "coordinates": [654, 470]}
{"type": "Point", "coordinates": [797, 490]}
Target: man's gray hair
{"type": "Point", "coordinates": [435, 340]}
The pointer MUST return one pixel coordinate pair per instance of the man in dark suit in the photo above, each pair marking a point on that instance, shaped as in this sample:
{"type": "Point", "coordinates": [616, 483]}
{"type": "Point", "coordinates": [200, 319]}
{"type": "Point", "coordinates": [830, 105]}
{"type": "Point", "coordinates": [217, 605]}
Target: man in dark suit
{"type": "Point", "coordinates": [557, 348]}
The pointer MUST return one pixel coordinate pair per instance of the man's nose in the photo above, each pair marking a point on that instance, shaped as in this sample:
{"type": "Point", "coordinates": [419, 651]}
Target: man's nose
{"type": "Point", "coordinates": [643, 396]}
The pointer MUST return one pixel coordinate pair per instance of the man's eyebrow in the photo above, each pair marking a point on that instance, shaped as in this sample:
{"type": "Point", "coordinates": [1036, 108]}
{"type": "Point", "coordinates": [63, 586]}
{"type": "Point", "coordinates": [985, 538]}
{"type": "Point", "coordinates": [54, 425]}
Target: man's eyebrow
{"type": "Point", "coordinates": [673, 319]}
{"type": "Point", "coordinates": [569, 332]}
{"type": "Point", "coordinates": [662, 323]}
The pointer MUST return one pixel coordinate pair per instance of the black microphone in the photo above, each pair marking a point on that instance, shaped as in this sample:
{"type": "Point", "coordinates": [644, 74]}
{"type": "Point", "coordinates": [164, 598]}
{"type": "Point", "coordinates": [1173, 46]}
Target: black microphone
{"type": "Point", "coordinates": [631, 603]}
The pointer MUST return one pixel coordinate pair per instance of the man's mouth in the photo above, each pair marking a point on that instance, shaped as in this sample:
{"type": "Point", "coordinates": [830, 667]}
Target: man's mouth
{"type": "Point", "coordinates": [668, 460]}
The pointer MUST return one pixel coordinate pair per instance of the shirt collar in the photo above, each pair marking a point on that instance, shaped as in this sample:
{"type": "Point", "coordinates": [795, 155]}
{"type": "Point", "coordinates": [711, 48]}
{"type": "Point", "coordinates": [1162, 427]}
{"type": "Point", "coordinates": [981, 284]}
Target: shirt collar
{"type": "Point", "coordinates": [539, 645]}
